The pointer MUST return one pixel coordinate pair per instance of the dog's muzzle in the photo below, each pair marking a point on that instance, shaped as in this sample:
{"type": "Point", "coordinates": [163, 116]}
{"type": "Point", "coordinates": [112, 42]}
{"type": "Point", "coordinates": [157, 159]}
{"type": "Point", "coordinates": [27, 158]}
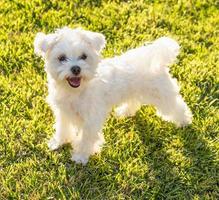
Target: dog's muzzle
{"type": "Point", "coordinates": [75, 80]}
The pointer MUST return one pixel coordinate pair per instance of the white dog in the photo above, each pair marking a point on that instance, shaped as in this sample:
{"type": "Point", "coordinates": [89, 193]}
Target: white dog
{"type": "Point", "coordinates": [83, 88]}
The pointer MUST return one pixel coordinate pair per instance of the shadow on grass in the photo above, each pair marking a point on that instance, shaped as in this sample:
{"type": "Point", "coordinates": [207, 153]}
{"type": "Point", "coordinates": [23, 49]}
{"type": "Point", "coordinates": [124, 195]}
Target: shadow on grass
{"type": "Point", "coordinates": [183, 163]}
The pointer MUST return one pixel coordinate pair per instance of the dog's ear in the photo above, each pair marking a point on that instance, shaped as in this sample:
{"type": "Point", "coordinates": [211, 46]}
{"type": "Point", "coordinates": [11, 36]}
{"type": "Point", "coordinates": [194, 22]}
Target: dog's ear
{"type": "Point", "coordinates": [42, 43]}
{"type": "Point", "coordinates": [96, 40]}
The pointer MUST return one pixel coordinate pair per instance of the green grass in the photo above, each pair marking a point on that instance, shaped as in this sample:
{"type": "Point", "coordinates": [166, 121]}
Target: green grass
{"type": "Point", "coordinates": [144, 157]}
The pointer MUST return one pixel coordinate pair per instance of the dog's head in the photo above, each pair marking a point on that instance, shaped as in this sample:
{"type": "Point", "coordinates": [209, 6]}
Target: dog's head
{"type": "Point", "coordinates": [71, 55]}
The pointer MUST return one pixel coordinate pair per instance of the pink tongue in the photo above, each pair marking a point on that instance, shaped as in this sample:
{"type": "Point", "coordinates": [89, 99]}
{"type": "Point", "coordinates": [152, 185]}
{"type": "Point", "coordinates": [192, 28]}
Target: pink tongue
{"type": "Point", "coordinates": [74, 81]}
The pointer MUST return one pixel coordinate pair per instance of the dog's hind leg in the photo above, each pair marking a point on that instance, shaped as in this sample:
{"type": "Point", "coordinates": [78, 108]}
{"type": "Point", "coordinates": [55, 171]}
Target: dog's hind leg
{"type": "Point", "coordinates": [174, 109]}
{"type": "Point", "coordinates": [169, 103]}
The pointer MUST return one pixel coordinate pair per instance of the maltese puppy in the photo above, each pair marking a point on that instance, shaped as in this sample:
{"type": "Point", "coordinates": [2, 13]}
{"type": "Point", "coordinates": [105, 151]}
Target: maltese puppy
{"type": "Point", "coordinates": [83, 88]}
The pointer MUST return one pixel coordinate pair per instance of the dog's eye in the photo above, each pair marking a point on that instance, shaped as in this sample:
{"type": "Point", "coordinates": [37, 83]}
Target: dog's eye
{"type": "Point", "coordinates": [62, 58]}
{"type": "Point", "coordinates": [83, 57]}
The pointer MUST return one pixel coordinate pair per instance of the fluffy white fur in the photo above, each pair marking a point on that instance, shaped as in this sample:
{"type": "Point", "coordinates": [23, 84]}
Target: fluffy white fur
{"type": "Point", "coordinates": [139, 76]}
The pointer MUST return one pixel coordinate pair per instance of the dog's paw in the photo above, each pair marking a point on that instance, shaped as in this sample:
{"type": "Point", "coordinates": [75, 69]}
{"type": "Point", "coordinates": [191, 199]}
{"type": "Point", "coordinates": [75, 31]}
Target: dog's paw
{"type": "Point", "coordinates": [186, 119]}
{"type": "Point", "coordinates": [97, 148]}
{"type": "Point", "coordinates": [98, 145]}
{"type": "Point", "coordinates": [53, 144]}
{"type": "Point", "coordinates": [80, 158]}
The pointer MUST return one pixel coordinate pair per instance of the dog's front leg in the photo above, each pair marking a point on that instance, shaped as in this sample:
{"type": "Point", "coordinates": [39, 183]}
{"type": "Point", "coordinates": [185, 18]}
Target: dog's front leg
{"type": "Point", "coordinates": [63, 131]}
{"type": "Point", "coordinates": [89, 142]}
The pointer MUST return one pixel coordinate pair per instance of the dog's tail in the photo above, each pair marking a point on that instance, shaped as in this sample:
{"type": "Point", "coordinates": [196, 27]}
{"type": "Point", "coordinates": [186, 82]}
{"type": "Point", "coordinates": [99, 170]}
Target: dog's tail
{"type": "Point", "coordinates": [165, 51]}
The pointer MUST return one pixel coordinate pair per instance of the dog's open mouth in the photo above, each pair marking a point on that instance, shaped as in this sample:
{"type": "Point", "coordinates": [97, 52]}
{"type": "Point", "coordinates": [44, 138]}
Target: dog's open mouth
{"type": "Point", "coordinates": [74, 81]}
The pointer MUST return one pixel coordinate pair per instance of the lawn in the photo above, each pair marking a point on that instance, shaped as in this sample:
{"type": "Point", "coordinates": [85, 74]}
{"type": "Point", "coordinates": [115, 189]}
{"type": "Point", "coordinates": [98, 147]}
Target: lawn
{"type": "Point", "coordinates": [144, 157]}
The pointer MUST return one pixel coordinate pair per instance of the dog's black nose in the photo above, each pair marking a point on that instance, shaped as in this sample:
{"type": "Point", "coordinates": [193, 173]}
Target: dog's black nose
{"type": "Point", "coordinates": [76, 70]}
